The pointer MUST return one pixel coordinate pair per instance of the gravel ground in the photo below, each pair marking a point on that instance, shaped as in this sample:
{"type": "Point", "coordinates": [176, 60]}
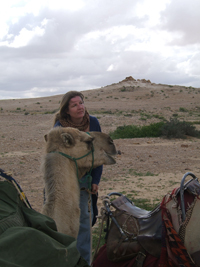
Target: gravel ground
{"type": "Point", "coordinates": [147, 167]}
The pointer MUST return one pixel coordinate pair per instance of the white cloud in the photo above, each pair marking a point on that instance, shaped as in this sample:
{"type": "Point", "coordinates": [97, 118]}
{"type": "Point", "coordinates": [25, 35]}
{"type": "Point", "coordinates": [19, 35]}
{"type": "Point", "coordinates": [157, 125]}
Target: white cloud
{"type": "Point", "coordinates": [183, 17]}
{"type": "Point", "coordinates": [152, 10]}
{"type": "Point", "coordinates": [67, 4]}
{"type": "Point", "coordinates": [25, 36]}
{"type": "Point", "coordinates": [48, 47]}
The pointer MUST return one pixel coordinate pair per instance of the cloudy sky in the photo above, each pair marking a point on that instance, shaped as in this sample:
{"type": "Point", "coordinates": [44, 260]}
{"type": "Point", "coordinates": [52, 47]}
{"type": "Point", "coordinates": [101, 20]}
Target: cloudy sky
{"type": "Point", "coordinates": [48, 47]}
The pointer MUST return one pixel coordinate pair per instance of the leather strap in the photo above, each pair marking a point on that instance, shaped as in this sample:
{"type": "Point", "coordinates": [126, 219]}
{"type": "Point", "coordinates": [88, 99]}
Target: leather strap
{"type": "Point", "coordinates": [140, 259]}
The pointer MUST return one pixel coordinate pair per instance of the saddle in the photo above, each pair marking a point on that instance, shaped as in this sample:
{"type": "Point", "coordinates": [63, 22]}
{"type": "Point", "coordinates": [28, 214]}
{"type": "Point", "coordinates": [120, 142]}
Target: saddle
{"type": "Point", "coordinates": [135, 232]}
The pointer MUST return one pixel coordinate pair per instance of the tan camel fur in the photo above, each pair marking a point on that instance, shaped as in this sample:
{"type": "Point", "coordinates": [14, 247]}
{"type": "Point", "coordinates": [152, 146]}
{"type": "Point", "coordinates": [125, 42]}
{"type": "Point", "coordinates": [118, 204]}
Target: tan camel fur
{"type": "Point", "coordinates": [62, 189]}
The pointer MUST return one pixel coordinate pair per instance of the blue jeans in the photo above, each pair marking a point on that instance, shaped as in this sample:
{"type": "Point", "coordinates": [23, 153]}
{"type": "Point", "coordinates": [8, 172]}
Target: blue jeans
{"type": "Point", "coordinates": [84, 235]}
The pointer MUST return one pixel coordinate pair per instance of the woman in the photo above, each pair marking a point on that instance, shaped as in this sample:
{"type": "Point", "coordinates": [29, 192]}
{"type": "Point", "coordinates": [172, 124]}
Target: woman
{"type": "Point", "coordinates": [73, 113]}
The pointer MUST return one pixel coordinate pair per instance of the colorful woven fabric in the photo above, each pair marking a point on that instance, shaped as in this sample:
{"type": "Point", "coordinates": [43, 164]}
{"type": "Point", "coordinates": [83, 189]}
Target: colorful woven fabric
{"type": "Point", "coordinates": [173, 251]}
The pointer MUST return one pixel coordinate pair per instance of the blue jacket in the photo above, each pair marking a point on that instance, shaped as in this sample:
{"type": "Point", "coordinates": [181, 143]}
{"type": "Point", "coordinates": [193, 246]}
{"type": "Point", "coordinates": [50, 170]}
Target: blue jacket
{"type": "Point", "coordinates": [94, 127]}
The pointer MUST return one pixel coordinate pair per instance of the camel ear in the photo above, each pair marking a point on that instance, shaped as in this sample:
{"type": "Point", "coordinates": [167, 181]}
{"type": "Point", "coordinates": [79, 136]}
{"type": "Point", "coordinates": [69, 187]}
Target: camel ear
{"type": "Point", "coordinates": [45, 137]}
{"type": "Point", "coordinates": [68, 139]}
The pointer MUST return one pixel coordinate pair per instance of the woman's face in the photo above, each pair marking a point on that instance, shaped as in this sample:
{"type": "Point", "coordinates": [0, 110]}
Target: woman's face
{"type": "Point", "coordinates": [76, 108]}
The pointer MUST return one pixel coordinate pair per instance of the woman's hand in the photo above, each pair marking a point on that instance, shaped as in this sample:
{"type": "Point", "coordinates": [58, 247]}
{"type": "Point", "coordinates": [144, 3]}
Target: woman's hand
{"type": "Point", "coordinates": [94, 189]}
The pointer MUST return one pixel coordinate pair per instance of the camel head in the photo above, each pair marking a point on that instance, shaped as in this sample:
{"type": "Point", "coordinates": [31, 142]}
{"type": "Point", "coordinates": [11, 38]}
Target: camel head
{"type": "Point", "coordinates": [78, 144]}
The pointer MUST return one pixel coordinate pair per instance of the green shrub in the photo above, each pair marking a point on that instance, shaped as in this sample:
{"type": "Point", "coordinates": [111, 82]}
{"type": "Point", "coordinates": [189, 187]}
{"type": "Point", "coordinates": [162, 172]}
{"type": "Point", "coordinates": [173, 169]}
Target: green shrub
{"type": "Point", "coordinates": [179, 129]}
{"type": "Point", "coordinates": [181, 109]}
{"type": "Point", "coordinates": [158, 117]}
{"type": "Point", "coordinates": [123, 89]}
{"type": "Point", "coordinates": [132, 131]}
{"type": "Point", "coordinates": [168, 129]}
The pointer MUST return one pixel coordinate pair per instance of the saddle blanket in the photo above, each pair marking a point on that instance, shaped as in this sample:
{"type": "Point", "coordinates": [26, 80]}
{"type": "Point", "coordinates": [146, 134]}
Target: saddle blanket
{"type": "Point", "coordinates": [29, 238]}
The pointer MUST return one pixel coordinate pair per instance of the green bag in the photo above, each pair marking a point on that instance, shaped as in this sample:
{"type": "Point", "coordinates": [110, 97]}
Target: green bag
{"type": "Point", "coordinates": [29, 238]}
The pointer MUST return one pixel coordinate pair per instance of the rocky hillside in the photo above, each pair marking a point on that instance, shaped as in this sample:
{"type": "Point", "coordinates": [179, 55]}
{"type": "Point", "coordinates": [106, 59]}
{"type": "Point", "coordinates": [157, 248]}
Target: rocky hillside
{"type": "Point", "coordinates": [147, 167]}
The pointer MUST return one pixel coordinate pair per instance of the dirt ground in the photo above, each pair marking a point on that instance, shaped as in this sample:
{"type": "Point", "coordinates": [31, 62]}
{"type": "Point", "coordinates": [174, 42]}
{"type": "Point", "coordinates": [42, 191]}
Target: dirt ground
{"type": "Point", "coordinates": [147, 168]}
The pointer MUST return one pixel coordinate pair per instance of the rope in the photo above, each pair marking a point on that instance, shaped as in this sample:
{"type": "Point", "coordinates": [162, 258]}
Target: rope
{"type": "Point", "coordinates": [103, 218]}
{"type": "Point", "coordinates": [88, 174]}
{"type": "Point", "coordinates": [8, 177]}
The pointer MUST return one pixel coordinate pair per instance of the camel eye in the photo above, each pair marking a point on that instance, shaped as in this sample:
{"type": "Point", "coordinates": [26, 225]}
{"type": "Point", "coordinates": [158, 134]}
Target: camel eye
{"type": "Point", "coordinates": [89, 143]}
{"type": "Point", "coordinates": [110, 140]}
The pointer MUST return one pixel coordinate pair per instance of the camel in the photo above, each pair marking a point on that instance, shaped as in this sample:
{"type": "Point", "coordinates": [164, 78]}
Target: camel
{"type": "Point", "coordinates": [68, 155]}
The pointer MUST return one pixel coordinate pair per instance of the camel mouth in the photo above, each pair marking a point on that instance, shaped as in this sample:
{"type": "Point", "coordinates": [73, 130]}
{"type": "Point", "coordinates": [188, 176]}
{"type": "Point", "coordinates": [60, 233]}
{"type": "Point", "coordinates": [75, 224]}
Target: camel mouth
{"type": "Point", "coordinates": [111, 157]}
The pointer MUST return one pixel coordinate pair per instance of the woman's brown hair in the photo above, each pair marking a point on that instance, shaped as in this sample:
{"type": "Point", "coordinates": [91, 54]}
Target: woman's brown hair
{"type": "Point", "coordinates": [64, 104]}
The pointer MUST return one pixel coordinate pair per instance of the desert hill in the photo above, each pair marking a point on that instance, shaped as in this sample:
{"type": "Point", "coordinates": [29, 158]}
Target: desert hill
{"type": "Point", "coordinates": [147, 167]}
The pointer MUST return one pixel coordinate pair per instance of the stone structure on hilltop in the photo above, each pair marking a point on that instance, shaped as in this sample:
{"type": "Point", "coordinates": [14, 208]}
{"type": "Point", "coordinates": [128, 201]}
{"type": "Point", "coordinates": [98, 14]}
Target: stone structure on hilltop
{"type": "Point", "coordinates": [130, 78]}
{"type": "Point", "coordinates": [144, 81]}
